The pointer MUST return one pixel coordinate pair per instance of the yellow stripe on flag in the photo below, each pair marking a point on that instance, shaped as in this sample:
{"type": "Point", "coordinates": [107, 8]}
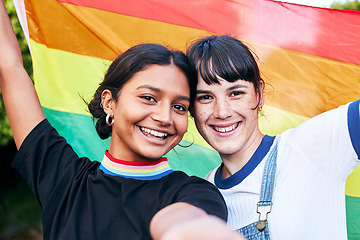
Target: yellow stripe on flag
{"type": "Point", "coordinates": [306, 84]}
{"type": "Point", "coordinates": [353, 183]}
{"type": "Point", "coordinates": [274, 121]}
{"type": "Point", "coordinates": [60, 84]}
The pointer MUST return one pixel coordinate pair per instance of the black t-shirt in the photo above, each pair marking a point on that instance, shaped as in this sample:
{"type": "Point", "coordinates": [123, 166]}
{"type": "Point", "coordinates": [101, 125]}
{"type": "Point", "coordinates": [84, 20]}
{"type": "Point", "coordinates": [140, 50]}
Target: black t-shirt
{"type": "Point", "coordinates": [79, 201]}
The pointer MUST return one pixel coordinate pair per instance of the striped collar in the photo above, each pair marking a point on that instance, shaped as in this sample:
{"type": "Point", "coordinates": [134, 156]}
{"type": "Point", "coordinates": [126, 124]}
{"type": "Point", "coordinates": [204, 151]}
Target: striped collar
{"type": "Point", "coordinates": [137, 170]}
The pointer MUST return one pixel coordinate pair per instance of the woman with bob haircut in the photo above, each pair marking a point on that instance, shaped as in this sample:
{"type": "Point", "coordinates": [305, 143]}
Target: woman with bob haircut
{"type": "Point", "coordinates": [288, 186]}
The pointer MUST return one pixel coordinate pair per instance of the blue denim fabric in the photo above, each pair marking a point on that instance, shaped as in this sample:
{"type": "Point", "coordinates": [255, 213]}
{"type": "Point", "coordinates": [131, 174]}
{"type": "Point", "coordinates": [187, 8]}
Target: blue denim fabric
{"type": "Point", "coordinates": [251, 232]}
{"type": "Point", "coordinates": [267, 186]}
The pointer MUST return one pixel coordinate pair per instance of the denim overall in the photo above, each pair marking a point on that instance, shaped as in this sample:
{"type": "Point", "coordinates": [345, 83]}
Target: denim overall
{"type": "Point", "coordinates": [260, 230]}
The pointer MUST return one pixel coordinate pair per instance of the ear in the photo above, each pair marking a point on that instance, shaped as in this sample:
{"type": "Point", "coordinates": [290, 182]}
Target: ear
{"type": "Point", "coordinates": [261, 95]}
{"type": "Point", "coordinates": [107, 102]}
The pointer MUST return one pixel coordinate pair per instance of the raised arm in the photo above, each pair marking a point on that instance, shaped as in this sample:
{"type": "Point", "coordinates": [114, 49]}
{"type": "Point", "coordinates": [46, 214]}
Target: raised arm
{"type": "Point", "coordinates": [21, 102]}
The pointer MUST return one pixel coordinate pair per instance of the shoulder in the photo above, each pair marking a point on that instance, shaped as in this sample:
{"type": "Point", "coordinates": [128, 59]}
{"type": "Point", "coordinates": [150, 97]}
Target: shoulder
{"type": "Point", "coordinates": [193, 186]}
{"type": "Point", "coordinates": [41, 133]}
{"type": "Point", "coordinates": [43, 141]}
{"type": "Point", "coordinates": [182, 178]}
{"type": "Point", "coordinates": [200, 193]}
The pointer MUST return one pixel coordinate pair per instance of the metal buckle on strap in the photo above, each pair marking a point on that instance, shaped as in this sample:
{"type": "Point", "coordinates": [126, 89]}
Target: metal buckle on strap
{"type": "Point", "coordinates": [262, 208]}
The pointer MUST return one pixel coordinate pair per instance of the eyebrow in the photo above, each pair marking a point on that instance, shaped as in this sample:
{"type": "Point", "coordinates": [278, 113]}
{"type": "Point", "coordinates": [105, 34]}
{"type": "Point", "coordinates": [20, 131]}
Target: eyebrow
{"type": "Point", "coordinates": [180, 97]}
{"type": "Point", "coordinates": [202, 91]}
{"type": "Point", "coordinates": [237, 86]}
{"type": "Point", "coordinates": [229, 89]}
{"type": "Point", "coordinates": [149, 87]}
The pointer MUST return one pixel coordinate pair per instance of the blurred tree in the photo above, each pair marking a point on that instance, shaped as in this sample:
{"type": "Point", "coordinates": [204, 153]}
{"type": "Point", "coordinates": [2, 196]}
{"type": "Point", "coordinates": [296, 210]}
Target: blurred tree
{"type": "Point", "coordinates": [5, 131]}
{"type": "Point", "coordinates": [348, 5]}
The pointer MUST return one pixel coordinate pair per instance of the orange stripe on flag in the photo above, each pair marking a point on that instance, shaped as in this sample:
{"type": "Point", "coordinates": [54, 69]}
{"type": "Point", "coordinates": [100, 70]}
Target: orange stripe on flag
{"type": "Point", "coordinates": [300, 28]}
{"type": "Point", "coordinates": [99, 33]}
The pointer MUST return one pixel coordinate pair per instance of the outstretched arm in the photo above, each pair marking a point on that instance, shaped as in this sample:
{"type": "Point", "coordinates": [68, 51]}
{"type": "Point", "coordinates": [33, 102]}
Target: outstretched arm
{"type": "Point", "coordinates": [21, 102]}
{"type": "Point", "coordinates": [181, 221]}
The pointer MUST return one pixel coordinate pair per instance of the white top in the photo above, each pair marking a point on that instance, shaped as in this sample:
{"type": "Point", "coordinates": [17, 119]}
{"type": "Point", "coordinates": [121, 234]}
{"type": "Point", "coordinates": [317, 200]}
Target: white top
{"type": "Point", "coordinates": [313, 163]}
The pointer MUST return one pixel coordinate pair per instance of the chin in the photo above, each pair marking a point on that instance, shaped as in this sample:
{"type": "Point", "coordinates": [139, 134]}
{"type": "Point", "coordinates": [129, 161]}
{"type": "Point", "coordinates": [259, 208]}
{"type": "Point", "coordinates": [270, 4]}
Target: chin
{"type": "Point", "coordinates": [225, 150]}
{"type": "Point", "coordinates": [153, 155]}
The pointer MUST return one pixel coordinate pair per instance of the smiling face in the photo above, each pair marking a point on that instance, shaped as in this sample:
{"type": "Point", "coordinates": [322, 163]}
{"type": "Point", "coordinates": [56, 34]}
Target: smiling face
{"type": "Point", "coordinates": [226, 115]}
{"type": "Point", "coordinates": [150, 115]}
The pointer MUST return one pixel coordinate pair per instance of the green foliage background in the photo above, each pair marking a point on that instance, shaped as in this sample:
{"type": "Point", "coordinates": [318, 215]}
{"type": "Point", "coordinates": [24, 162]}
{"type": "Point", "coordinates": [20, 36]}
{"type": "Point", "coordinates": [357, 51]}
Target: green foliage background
{"type": "Point", "coordinates": [348, 5]}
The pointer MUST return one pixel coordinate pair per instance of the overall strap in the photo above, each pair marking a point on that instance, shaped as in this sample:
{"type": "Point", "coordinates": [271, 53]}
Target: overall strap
{"type": "Point", "coordinates": [267, 187]}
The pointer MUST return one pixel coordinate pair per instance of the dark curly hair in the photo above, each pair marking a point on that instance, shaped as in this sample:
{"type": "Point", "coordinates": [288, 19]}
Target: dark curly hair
{"type": "Point", "coordinates": [126, 65]}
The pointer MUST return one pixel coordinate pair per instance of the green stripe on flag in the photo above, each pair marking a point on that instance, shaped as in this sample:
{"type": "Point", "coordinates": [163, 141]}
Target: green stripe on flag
{"type": "Point", "coordinates": [353, 217]}
{"type": "Point", "coordinates": [193, 160]}
{"type": "Point", "coordinates": [80, 133]}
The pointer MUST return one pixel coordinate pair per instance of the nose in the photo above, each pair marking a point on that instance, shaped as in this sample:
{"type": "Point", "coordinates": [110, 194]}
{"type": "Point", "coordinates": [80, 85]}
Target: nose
{"type": "Point", "coordinates": [222, 109]}
{"type": "Point", "coordinates": [162, 114]}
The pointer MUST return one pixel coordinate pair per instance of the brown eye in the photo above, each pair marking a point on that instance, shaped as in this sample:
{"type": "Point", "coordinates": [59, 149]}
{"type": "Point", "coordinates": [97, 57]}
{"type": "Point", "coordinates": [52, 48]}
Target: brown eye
{"type": "Point", "coordinates": [237, 93]}
{"type": "Point", "coordinates": [180, 108]}
{"type": "Point", "coordinates": [204, 97]}
{"type": "Point", "coordinates": [148, 98]}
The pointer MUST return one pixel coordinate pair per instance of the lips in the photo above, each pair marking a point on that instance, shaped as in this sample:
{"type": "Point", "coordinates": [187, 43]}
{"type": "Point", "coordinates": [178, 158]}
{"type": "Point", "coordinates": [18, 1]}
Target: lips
{"type": "Point", "coordinates": [153, 133]}
{"type": "Point", "coordinates": [225, 129]}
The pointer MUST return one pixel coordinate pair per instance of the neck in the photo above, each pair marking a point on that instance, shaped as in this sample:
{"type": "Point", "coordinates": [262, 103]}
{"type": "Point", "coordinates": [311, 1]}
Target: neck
{"type": "Point", "coordinates": [236, 161]}
{"type": "Point", "coordinates": [118, 150]}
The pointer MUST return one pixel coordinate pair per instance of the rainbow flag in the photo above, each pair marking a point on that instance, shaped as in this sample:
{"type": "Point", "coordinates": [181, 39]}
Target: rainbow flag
{"type": "Point", "coordinates": [310, 58]}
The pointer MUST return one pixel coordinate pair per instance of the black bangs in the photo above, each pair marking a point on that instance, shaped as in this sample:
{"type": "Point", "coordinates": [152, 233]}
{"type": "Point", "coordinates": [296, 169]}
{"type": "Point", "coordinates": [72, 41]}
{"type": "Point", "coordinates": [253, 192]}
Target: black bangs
{"type": "Point", "coordinates": [220, 66]}
{"type": "Point", "coordinates": [224, 57]}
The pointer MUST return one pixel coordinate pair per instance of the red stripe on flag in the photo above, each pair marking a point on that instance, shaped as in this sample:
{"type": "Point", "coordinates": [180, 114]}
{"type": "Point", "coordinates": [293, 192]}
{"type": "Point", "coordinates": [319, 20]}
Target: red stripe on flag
{"type": "Point", "coordinates": [323, 32]}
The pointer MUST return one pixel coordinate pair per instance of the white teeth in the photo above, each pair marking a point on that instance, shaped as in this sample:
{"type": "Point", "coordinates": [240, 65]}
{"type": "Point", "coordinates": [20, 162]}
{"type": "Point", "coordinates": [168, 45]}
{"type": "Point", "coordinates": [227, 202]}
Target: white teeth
{"type": "Point", "coordinates": [154, 133]}
{"type": "Point", "coordinates": [226, 129]}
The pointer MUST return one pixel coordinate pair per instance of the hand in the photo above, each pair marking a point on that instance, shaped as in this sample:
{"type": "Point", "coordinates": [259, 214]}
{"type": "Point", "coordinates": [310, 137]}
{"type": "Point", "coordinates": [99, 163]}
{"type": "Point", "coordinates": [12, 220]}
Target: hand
{"type": "Point", "coordinates": [182, 221]}
{"type": "Point", "coordinates": [207, 227]}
